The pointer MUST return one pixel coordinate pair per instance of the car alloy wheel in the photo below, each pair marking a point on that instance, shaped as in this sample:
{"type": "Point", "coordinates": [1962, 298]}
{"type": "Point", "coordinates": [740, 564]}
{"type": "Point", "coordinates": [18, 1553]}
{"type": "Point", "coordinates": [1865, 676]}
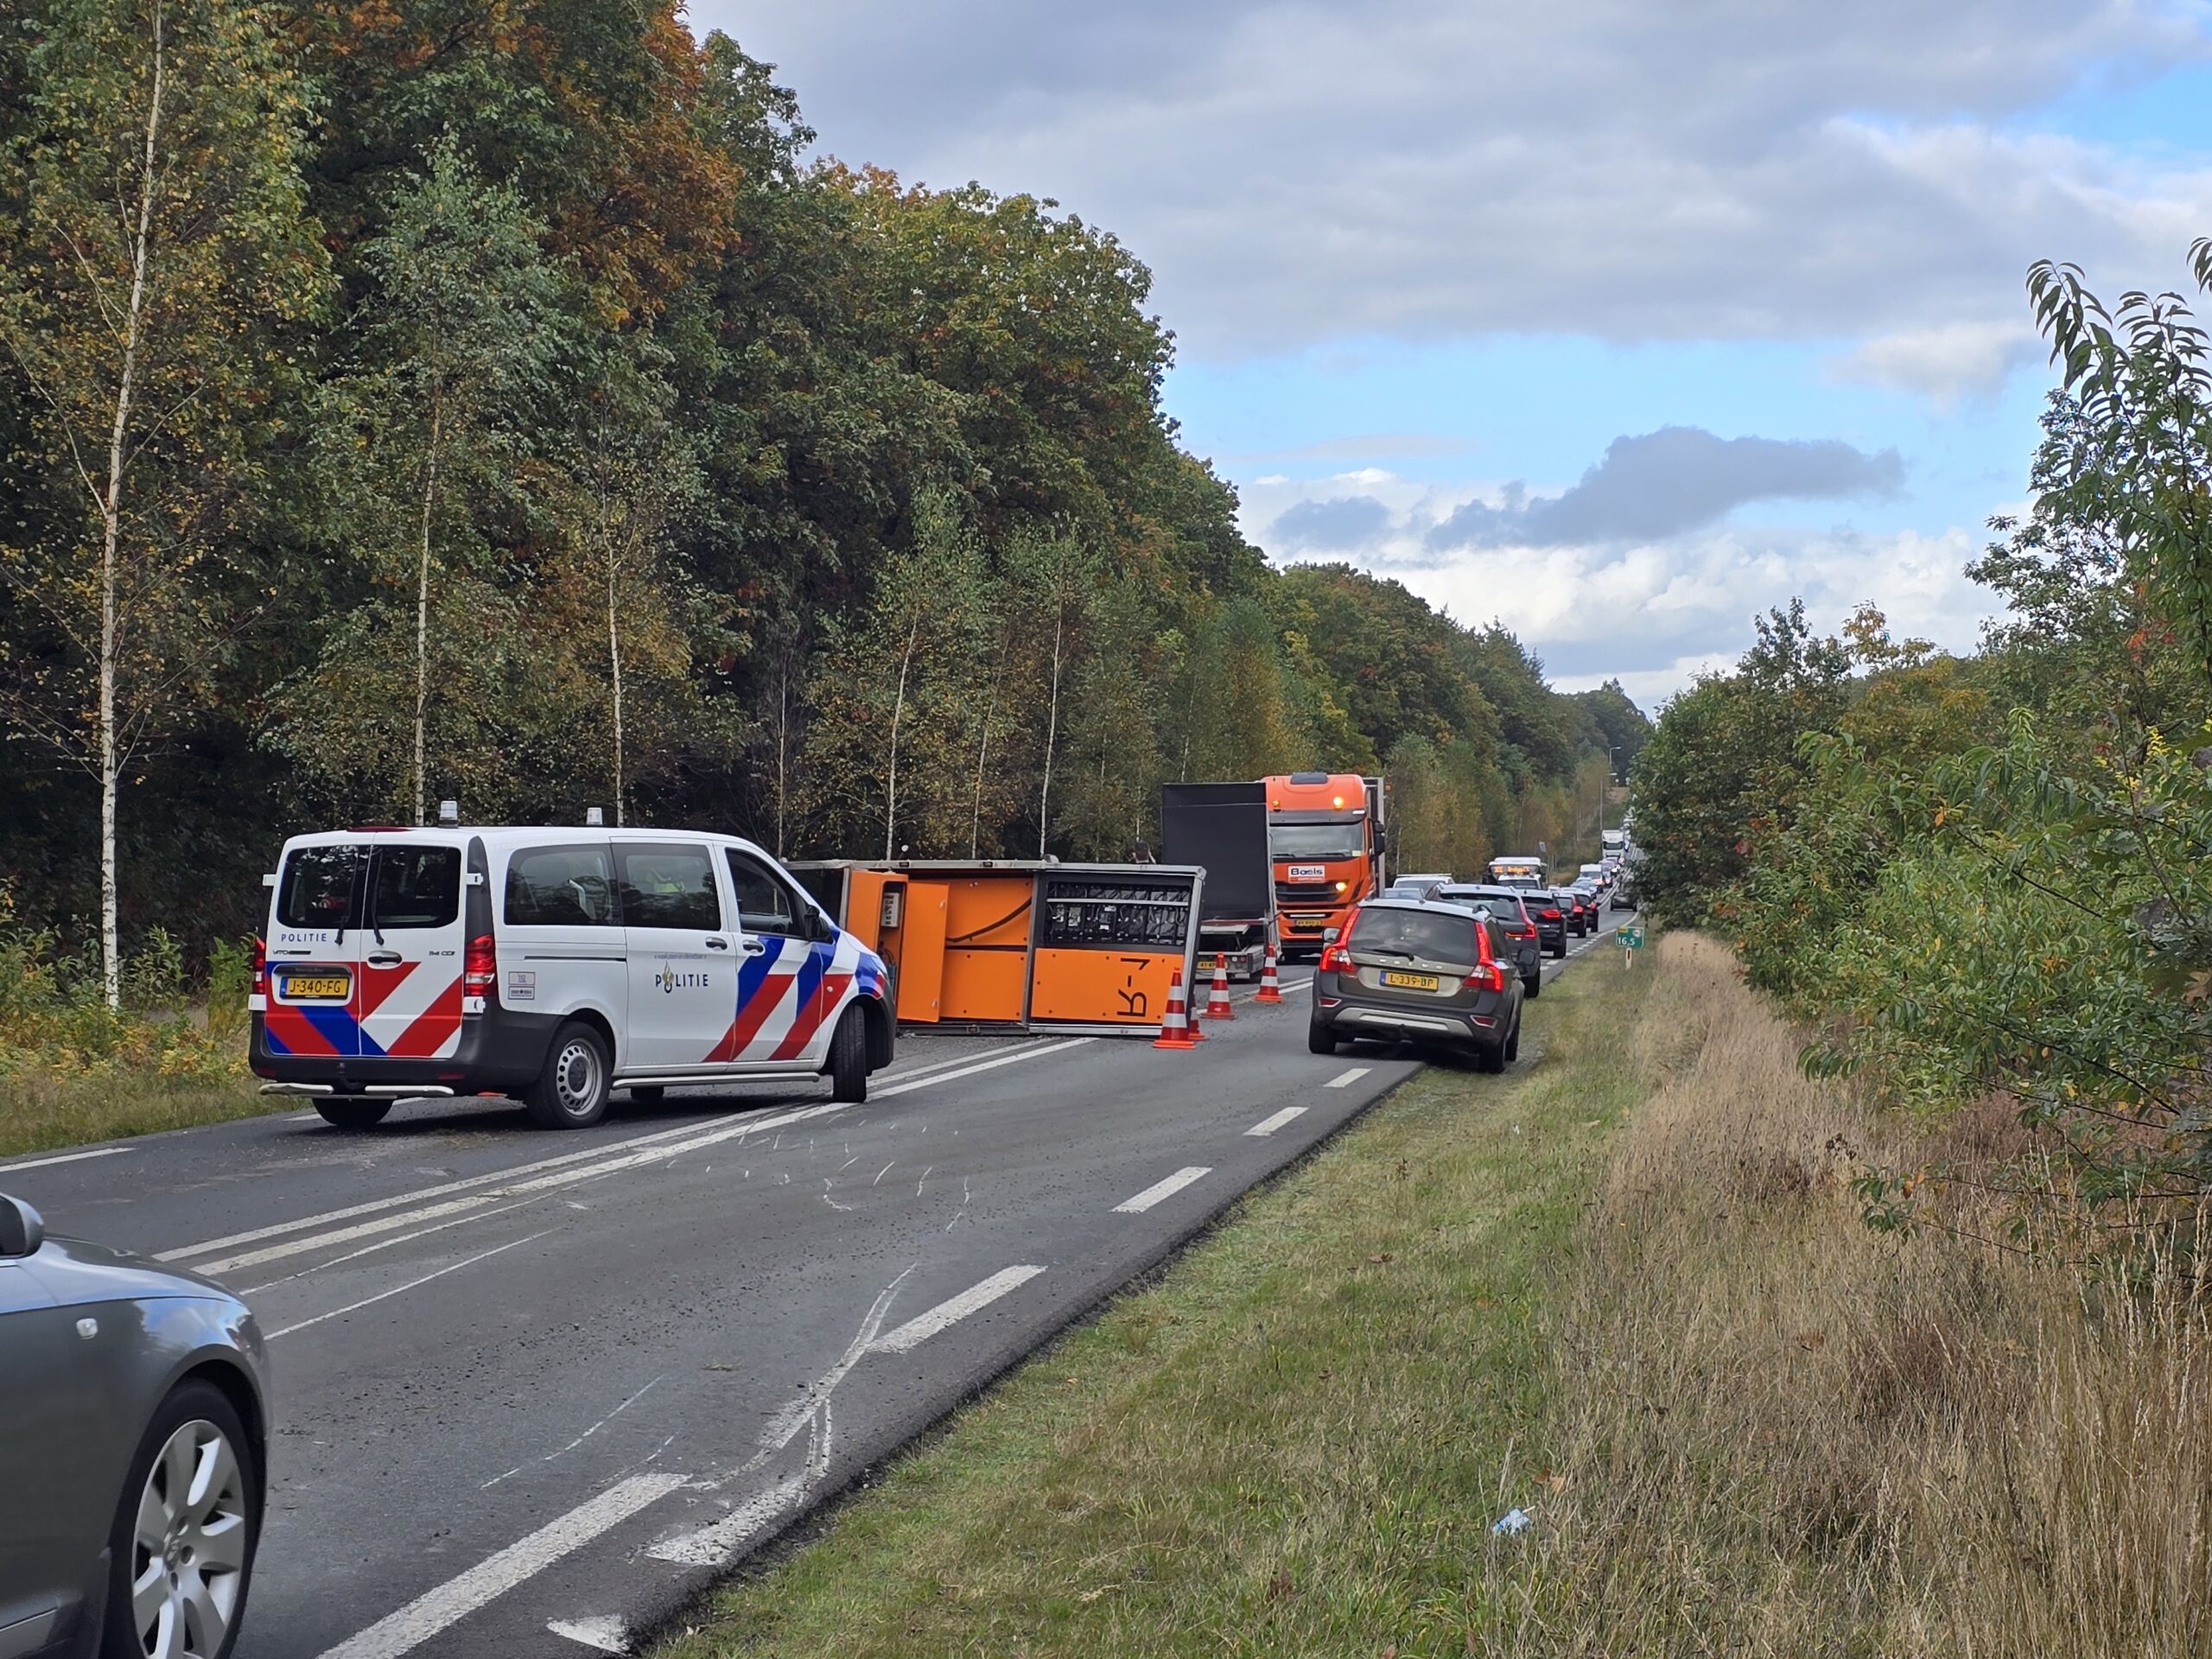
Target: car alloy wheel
{"type": "Point", "coordinates": [189, 1546]}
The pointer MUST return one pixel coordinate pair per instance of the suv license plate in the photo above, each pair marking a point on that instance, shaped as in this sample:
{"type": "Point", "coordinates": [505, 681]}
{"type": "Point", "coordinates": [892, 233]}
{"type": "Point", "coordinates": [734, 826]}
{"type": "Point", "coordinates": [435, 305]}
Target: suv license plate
{"type": "Point", "coordinates": [1411, 981]}
{"type": "Point", "coordinates": [314, 987]}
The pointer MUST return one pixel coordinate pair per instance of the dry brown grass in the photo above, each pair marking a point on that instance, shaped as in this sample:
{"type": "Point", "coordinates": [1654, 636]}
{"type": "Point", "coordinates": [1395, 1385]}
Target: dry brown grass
{"type": "Point", "coordinates": [1781, 1433]}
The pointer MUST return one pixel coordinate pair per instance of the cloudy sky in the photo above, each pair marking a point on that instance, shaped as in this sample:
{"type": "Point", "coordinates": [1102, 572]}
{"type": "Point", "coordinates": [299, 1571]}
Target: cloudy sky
{"type": "Point", "coordinates": [1616, 321]}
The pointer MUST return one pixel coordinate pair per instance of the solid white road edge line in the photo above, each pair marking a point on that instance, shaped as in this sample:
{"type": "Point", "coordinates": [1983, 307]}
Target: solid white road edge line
{"type": "Point", "coordinates": [1158, 1190]}
{"type": "Point", "coordinates": [1348, 1077]}
{"type": "Point", "coordinates": [386, 1295]}
{"type": "Point", "coordinates": [553, 1182]}
{"type": "Point", "coordinates": [1269, 1125]}
{"type": "Point", "coordinates": [920, 1329]}
{"type": "Point", "coordinates": [720, 1543]}
{"type": "Point", "coordinates": [62, 1157]}
{"type": "Point", "coordinates": [369, 1206]}
{"type": "Point", "coordinates": [875, 1095]}
{"type": "Point", "coordinates": [428, 1614]}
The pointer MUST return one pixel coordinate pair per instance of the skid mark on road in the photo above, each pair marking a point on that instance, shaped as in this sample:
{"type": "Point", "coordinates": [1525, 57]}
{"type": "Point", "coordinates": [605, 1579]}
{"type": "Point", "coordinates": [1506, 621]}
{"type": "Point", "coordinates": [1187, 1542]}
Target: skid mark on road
{"type": "Point", "coordinates": [581, 1437]}
{"type": "Point", "coordinates": [386, 1295]}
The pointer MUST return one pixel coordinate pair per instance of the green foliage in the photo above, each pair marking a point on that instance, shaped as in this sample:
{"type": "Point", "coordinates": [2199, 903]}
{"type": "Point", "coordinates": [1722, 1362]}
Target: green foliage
{"type": "Point", "coordinates": [580, 441]}
{"type": "Point", "coordinates": [1994, 876]}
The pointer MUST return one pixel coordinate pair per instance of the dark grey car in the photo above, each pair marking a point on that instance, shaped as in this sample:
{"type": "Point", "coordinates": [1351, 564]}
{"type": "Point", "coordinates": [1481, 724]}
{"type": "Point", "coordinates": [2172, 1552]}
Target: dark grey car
{"type": "Point", "coordinates": [1517, 928]}
{"type": "Point", "coordinates": [1415, 972]}
{"type": "Point", "coordinates": [133, 1440]}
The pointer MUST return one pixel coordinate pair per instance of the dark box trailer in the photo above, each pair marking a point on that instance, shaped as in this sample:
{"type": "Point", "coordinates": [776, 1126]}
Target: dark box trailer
{"type": "Point", "coordinates": [1223, 830]}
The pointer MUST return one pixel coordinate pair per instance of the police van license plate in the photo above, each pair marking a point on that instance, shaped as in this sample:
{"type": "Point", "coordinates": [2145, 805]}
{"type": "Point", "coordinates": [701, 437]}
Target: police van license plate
{"type": "Point", "coordinates": [314, 987]}
{"type": "Point", "coordinates": [1411, 981]}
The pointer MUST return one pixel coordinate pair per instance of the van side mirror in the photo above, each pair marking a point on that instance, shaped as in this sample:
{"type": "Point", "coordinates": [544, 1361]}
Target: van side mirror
{"type": "Point", "coordinates": [21, 1228]}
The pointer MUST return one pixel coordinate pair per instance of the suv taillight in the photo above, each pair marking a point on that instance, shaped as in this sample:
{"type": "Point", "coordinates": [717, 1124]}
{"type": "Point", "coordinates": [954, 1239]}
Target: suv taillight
{"type": "Point", "coordinates": [1551, 915]}
{"type": "Point", "coordinates": [1491, 976]}
{"type": "Point", "coordinates": [1335, 959]}
{"type": "Point", "coordinates": [260, 966]}
{"type": "Point", "coordinates": [480, 970]}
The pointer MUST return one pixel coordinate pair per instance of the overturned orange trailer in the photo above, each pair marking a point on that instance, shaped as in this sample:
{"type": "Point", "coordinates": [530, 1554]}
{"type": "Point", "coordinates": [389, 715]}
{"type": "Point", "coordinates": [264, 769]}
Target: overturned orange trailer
{"type": "Point", "coordinates": [1017, 945]}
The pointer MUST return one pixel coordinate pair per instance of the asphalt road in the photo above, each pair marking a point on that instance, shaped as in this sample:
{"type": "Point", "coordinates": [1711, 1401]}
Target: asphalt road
{"type": "Point", "coordinates": [534, 1387]}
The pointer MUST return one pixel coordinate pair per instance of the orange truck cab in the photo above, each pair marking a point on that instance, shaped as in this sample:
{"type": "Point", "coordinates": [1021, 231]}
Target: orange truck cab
{"type": "Point", "coordinates": [1326, 833]}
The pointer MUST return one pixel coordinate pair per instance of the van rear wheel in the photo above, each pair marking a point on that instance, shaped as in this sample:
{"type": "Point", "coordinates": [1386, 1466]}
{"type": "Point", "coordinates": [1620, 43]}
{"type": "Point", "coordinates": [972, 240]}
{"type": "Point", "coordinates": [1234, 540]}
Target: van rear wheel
{"type": "Point", "coordinates": [352, 1114]}
{"type": "Point", "coordinates": [849, 1060]}
{"type": "Point", "coordinates": [570, 1093]}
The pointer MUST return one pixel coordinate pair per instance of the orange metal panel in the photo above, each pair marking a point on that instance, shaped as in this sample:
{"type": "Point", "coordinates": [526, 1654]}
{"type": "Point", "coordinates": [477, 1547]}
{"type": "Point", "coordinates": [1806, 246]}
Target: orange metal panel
{"type": "Point", "coordinates": [1102, 987]}
{"type": "Point", "coordinates": [920, 969]}
{"type": "Point", "coordinates": [987, 945]}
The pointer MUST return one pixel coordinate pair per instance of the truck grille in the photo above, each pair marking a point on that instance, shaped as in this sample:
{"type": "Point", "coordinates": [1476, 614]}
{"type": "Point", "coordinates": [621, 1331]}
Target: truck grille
{"type": "Point", "coordinates": [1306, 892]}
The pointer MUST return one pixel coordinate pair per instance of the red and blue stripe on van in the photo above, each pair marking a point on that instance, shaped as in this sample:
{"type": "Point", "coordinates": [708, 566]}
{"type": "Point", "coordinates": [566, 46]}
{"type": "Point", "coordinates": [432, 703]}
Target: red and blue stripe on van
{"type": "Point", "coordinates": [334, 1028]}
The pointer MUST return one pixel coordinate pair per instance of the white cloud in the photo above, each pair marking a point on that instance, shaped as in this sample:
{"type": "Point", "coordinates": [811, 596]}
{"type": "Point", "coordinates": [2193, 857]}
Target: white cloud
{"type": "Point", "coordinates": [1425, 169]}
{"type": "Point", "coordinates": [1947, 364]}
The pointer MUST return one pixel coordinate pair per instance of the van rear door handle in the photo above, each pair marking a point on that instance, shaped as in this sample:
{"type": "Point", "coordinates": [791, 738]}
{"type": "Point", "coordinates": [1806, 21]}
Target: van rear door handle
{"type": "Point", "coordinates": [383, 958]}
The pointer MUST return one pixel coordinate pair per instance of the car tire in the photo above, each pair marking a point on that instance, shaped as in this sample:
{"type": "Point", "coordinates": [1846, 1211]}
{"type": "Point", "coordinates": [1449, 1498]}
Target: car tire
{"type": "Point", "coordinates": [195, 1421]}
{"type": "Point", "coordinates": [571, 1093]}
{"type": "Point", "coordinates": [1561, 952]}
{"type": "Point", "coordinates": [1319, 1039]}
{"type": "Point", "coordinates": [849, 1060]}
{"type": "Point", "coordinates": [1512, 1051]}
{"type": "Point", "coordinates": [1534, 984]}
{"type": "Point", "coordinates": [648, 1094]}
{"type": "Point", "coordinates": [1490, 1057]}
{"type": "Point", "coordinates": [351, 1112]}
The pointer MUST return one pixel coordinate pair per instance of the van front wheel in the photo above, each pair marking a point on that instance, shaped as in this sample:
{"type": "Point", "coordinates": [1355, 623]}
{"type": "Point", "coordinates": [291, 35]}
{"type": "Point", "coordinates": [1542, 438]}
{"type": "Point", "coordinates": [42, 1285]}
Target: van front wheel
{"type": "Point", "coordinates": [570, 1093]}
{"type": "Point", "coordinates": [849, 1060]}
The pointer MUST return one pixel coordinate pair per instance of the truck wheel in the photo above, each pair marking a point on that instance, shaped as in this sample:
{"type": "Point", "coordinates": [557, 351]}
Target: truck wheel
{"type": "Point", "coordinates": [1319, 1039]}
{"type": "Point", "coordinates": [849, 1060]}
{"type": "Point", "coordinates": [344, 1113]}
{"type": "Point", "coordinates": [570, 1093]}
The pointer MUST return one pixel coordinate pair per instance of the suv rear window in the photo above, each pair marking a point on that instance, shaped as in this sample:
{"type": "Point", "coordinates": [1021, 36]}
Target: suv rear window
{"type": "Point", "coordinates": [416, 886]}
{"type": "Point", "coordinates": [1427, 934]}
{"type": "Point", "coordinates": [319, 887]}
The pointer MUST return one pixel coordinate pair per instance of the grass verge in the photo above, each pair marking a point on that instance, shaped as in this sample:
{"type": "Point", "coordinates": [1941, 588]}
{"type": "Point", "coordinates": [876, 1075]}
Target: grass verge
{"type": "Point", "coordinates": [42, 1113]}
{"type": "Point", "coordinates": [1295, 1442]}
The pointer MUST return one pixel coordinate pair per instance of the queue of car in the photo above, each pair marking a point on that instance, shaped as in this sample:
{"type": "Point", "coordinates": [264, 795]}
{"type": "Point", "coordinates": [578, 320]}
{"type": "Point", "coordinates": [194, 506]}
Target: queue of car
{"type": "Point", "coordinates": [1435, 961]}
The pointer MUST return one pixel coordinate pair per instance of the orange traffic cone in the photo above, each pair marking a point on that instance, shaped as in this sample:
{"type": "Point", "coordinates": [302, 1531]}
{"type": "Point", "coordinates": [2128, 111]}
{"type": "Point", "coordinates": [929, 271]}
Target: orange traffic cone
{"type": "Point", "coordinates": [1270, 988]}
{"type": "Point", "coordinates": [1175, 1029]}
{"type": "Point", "coordinates": [1218, 1003]}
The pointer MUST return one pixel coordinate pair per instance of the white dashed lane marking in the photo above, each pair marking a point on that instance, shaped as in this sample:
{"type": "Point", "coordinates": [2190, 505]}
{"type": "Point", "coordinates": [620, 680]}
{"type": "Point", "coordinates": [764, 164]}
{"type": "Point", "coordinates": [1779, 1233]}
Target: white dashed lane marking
{"type": "Point", "coordinates": [1159, 1190]}
{"type": "Point", "coordinates": [1348, 1077]}
{"type": "Point", "coordinates": [920, 1329]}
{"type": "Point", "coordinates": [1269, 1125]}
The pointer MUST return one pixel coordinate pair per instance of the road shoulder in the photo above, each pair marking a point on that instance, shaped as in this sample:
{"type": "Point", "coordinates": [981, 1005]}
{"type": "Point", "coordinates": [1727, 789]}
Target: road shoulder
{"type": "Point", "coordinates": [1300, 1434]}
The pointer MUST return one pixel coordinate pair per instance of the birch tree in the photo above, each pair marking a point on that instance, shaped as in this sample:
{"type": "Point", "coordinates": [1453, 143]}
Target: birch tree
{"type": "Point", "coordinates": [162, 246]}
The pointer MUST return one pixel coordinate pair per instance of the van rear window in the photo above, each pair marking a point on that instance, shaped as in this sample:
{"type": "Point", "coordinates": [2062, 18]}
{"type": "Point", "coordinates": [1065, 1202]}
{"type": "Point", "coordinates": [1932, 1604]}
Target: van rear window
{"type": "Point", "coordinates": [416, 886]}
{"type": "Point", "coordinates": [320, 888]}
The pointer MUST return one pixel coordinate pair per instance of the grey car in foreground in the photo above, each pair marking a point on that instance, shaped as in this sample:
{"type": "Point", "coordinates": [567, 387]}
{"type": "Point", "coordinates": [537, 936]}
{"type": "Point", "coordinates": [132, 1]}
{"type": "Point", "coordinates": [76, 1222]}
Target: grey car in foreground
{"type": "Point", "coordinates": [1424, 973]}
{"type": "Point", "coordinates": [133, 1443]}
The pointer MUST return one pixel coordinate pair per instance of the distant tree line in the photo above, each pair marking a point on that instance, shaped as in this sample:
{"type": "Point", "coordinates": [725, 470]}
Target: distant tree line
{"type": "Point", "coordinates": [489, 399]}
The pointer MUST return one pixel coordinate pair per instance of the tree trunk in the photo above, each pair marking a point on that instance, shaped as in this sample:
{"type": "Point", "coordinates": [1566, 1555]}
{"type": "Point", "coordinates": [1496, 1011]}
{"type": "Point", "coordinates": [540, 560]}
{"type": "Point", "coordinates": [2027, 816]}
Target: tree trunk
{"type": "Point", "coordinates": [1052, 729]}
{"type": "Point", "coordinates": [982, 755]}
{"type": "Point", "coordinates": [898, 711]}
{"type": "Point", "coordinates": [111, 533]}
{"type": "Point", "coordinates": [614, 658]}
{"type": "Point", "coordinates": [422, 608]}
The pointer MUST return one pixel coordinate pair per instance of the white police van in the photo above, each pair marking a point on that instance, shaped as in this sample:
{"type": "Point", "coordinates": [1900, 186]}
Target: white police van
{"type": "Point", "coordinates": [554, 965]}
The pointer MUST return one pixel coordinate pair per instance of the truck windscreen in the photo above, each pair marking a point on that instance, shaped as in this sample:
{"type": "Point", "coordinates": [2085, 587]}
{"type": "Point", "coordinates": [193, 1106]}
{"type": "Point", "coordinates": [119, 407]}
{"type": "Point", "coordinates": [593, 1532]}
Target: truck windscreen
{"type": "Point", "coordinates": [1321, 841]}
